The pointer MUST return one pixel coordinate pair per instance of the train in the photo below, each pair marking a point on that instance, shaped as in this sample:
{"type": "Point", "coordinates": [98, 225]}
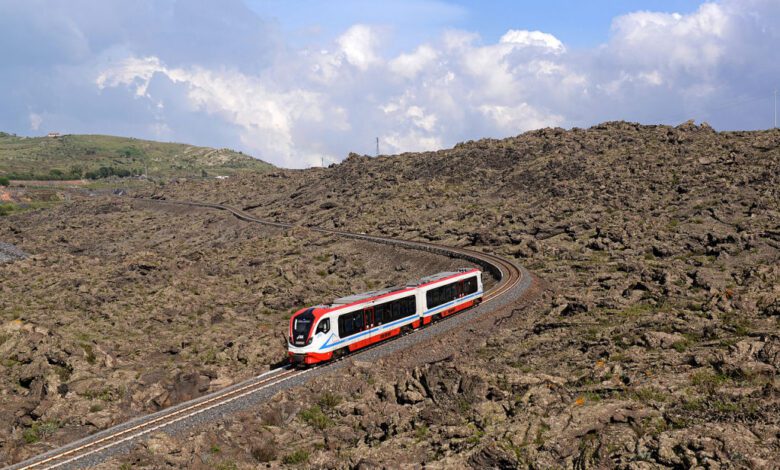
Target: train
{"type": "Point", "coordinates": [325, 332]}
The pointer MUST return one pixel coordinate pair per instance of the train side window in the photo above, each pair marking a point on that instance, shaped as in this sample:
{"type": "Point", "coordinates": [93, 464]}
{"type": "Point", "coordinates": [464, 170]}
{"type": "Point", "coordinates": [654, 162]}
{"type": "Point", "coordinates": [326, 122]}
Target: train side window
{"type": "Point", "coordinates": [350, 323]}
{"type": "Point", "coordinates": [324, 326]}
{"type": "Point", "coordinates": [345, 326]}
{"type": "Point", "coordinates": [470, 286]}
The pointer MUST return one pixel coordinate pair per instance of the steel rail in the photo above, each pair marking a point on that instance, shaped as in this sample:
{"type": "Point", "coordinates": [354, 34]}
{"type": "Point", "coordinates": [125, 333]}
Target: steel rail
{"type": "Point", "coordinates": [506, 273]}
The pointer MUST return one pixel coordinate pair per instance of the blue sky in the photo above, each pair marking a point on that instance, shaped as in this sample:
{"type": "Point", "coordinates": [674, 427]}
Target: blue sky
{"type": "Point", "coordinates": [301, 82]}
{"type": "Point", "coordinates": [578, 23]}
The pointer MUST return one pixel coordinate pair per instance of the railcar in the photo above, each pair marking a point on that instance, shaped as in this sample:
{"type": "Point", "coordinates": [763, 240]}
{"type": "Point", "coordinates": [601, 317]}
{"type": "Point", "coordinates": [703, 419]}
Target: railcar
{"type": "Point", "coordinates": [324, 332]}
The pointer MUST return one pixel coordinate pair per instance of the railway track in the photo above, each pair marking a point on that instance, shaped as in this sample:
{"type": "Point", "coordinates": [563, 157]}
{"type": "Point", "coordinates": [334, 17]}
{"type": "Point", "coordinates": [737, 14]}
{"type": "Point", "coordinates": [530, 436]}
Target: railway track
{"type": "Point", "coordinates": [95, 448]}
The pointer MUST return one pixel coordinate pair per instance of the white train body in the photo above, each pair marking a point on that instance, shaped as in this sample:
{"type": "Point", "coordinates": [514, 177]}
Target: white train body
{"type": "Point", "coordinates": [318, 333]}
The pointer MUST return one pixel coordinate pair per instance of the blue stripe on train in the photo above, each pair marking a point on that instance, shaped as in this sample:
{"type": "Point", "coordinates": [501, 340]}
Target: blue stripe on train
{"type": "Point", "coordinates": [390, 325]}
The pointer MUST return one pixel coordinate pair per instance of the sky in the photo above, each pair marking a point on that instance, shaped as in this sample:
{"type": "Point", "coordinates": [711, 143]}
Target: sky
{"type": "Point", "coordinates": [303, 83]}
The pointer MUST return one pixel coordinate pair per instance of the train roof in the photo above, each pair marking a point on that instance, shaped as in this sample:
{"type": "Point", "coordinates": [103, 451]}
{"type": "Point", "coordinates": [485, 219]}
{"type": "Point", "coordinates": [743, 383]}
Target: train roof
{"type": "Point", "coordinates": [351, 299]}
{"type": "Point", "coordinates": [432, 278]}
{"type": "Point", "coordinates": [366, 295]}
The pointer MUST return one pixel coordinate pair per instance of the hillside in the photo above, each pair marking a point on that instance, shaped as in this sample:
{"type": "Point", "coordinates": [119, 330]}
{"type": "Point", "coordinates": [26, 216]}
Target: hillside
{"type": "Point", "coordinates": [652, 342]}
{"type": "Point", "coordinates": [656, 341]}
{"type": "Point", "coordinates": [97, 156]}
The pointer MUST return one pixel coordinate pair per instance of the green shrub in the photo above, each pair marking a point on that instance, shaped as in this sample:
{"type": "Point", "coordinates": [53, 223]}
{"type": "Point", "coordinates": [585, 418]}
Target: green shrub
{"type": "Point", "coordinates": [39, 431]}
{"type": "Point", "coordinates": [226, 465]}
{"type": "Point", "coordinates": [6, 209]}
{"type": "Point", "coordinates": [30, 435]}
{"type": "Point", "coordinates": [4, 181]}
{"type": "Point", "coordinates": [315, 417]}
{"type": "Point", "coordinates": [329, 400]}
{"type": "Point", "coordinates": [708, 381]}
{"type": "Point", "coordinates": [421, 432]}
{"type": "Point", "coordinates": [298, 457]}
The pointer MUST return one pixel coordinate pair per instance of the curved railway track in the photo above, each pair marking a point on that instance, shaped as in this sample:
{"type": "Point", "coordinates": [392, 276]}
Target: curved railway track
{"type": "Point", "coordinates": [95, 448]}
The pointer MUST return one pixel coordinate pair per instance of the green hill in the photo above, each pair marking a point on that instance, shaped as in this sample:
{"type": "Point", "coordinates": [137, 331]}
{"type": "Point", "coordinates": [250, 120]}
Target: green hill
{"type": "Point", "coordinates": [100, 156]}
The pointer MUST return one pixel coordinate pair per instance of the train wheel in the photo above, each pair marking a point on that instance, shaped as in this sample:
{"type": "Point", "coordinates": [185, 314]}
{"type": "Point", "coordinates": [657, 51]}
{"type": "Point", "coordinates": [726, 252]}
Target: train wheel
{"type": "Point", "coordinates": [339, 353]}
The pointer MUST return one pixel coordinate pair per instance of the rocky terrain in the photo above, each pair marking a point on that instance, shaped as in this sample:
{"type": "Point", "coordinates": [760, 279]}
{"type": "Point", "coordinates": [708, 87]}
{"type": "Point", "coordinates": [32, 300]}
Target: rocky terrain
{"type": "Point", "coordinates": [124, 307]}
{"type": "Point", "coordinates": [650, 340]}
{"type": "Point", "coordinates": [654, 342]}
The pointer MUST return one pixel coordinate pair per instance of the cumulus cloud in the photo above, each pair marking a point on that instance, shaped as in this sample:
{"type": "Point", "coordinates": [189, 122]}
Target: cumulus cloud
{"type": "Point", "coordinates": [265, 116]}
{"type": "Point", "coordinates": [409, 65]}
{"type": "Point", "coordinates": [35, 121]}
{"type": "Point", "coordinates": [298, 106]}
{"type": "Point", "coordinates": [358, 44]}
{"type": "Point", "coordinates": [532, 39]}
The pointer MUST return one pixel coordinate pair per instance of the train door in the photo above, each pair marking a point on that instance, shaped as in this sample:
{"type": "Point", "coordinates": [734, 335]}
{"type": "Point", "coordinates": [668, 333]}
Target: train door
{"type": "Point", "coordinates": [459, 289]}
{"type": "Point", "coordinates": [368, 318]}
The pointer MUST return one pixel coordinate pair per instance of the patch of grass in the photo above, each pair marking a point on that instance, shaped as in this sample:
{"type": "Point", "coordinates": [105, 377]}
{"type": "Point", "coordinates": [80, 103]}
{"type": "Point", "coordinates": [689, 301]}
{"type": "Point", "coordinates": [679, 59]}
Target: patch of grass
{"type": "Point", "coordinates": [421, 433]}
{"type": "Point", "coordinates": [463, 405]}
{"type": "Point", "coordinates": [105, 394]}
{"type": "Point", "coordinates": [738, 323]}
{"type": "Point", "coordinates": [315, 417]}
{"type": "Point", "coordinates": [707, 380]}
{"type": "Point", "coordinates": [540, 432]}
{"type": "Point", "coordinates": [296, 458]}
{"type": "Point", "coordinates": [210, 356]}
{"type": "Point", "coordinates": [90, 352]}
{"type": "Point", "coordinates": [648, 395]}
{"type": "Point", "coordinates": [8, 208]}
{"type": "Point", "coordinates": [63, 373]}
{"type": "Point", "coordinates": [96, 407]}
{"type": "Point", "coordinates": [680, 346]}
{"type": "Point", "coordinates": [653, 426]}
{"type": "Point", "coordinates": [39, 431]}
{"type": "Point", "coordinates": [215, 449]}
{"type": "Point", "coordinates": [329, 400]}
{"type": "Point", "coordinates": [30, 436]}
{"type": "Point", "coordinates": [226, 465]}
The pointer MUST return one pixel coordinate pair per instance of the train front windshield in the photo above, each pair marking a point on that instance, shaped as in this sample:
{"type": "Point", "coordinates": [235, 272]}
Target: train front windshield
{"type": "Point", "coordinates": [301, 326]}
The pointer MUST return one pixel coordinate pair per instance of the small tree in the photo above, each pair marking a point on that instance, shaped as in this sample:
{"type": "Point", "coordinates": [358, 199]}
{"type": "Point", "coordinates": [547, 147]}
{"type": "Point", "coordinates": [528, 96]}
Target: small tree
{"type": "Point", "coordinates": [4, 181]}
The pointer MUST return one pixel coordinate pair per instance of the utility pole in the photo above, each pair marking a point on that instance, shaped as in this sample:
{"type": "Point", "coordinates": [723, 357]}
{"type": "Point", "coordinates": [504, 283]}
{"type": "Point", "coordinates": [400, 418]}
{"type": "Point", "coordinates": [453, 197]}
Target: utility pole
{"type": "Point", "coordinates": [775, 108]}
{"type": "Point", "coordinates": [377, 146]}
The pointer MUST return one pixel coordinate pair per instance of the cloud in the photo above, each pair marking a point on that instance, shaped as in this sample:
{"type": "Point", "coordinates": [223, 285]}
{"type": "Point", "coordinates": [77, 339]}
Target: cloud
{"type": "Point", "coordinates": [532, 39]}
{"type": "Point", "coordinates": [265, 116]}
{"type": "Point", "coordinates": [358, 44]}
{"type": "Point", "coordinates": [409, 65]}
{"type": "Point", "coordinates": [35, 121]}
{"type": "Point", "coordinates": [213, 73]}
